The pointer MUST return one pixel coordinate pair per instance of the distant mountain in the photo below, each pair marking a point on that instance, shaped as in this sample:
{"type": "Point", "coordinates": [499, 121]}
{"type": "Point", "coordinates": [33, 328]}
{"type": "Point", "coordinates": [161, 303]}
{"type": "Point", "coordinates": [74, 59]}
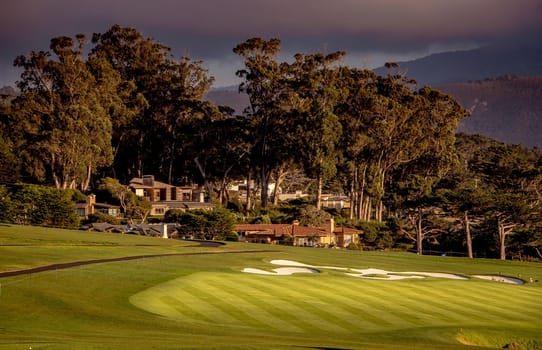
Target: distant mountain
{"type": "Point", "coordinates": [228, 96]}
{"type": "Point", "coordinates": [477, 64]}
{"type": "Point", "coordinates": [508, 108]}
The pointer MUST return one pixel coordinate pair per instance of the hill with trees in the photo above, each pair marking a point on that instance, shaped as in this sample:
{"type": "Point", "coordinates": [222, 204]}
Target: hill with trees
{"type": "Point", "coordinates": [507, 108]}
{"type": "Point", "coordinates": [521, 59]}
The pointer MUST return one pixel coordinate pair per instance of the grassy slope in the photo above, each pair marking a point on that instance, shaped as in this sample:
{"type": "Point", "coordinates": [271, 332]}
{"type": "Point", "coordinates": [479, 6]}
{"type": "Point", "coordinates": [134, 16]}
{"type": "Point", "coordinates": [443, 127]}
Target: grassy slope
{"type": "Point", "coordinates": [204, 301]}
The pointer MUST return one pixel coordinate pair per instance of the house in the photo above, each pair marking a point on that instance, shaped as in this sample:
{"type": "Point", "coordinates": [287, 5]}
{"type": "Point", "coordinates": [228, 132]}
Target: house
{"type": "Point", "coordinates": [164, 197]}
{"type": "Point", "coordinates": [91, 207]}
{"type": "Point", "coordinates": [337, 202]}
{"type": "Point", "coordinates": [298, 235]}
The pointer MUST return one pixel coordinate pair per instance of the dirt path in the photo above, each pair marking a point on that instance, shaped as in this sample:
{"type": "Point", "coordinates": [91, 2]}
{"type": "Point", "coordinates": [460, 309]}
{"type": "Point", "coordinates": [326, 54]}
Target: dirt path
{"type": "Point", "coordinates": [124, 258]}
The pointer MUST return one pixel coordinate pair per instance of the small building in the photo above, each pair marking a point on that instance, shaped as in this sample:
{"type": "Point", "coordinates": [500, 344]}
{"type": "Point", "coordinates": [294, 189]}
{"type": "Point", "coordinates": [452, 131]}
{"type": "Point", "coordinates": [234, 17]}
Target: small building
{"type": "Point", "coordinates": [164, 197]}
{"type": "Point", "coordinates": [90, 207]}
{"type": "Point", "coordinates": [297, 235]}
{"type": "Point", "coordinates": [336, 202]}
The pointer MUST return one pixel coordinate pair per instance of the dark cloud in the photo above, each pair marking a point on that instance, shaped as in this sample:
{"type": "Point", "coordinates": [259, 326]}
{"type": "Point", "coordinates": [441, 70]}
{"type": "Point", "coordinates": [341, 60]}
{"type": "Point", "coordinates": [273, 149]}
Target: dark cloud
{"type": "Point", "coordinates": [209, 29]}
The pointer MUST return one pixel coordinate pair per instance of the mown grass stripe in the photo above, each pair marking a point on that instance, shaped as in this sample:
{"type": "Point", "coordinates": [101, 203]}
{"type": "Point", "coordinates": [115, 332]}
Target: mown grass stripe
{"type": "Point", "coordinates": [247, 313]}
{"type": "Point", "coordinates": [477, 309]}
{"type": "Point", "coordinates": [431, 312]}
{"type": "Point", "coordinates": [363, 295]}
{"type": "Point", "coordinates": [191, 305]}
{"type": "Point", "coordinates": [377, 293]}
{"type": "Point", "coordinates": [284, 301]}
{"type": "Point", "coordinates": [275, 317]}
{"type": "Point", "coordinates": [494, 302]}
{"type": "Point", "coordinates": [363, 313]}
{"type": "Point", "coordinates": [332, 318]}
{"type": "Point", "coordinates": [209, 305]}
{"type": "Point", "coordinates": [459, 299]}
{"type": "Point", "coordinates": [435, 308]}
{"type": "Point", "coordinates": [345, 305]}
{"type": "Point", "coordinates": [183, 310]}
{"type": "Point", "coordinates": [450, 310]}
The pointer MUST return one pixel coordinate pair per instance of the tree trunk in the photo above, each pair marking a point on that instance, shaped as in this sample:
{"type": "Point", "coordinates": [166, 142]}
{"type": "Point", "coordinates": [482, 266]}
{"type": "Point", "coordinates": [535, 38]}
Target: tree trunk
{"type": "Point", "coordinates": [264, 196]}
{"type": "Point", "coordinates": [86, 183]}
{"type": "Point", "coordinates": [360, 212]}
{"type": "Point", "coordinates": [419, 233]}
{"type": "Point", "coordinates": [205, 180]}
{"type": "Point", "coordinates": [353, 196]}
{"type": "Point", "coordinates": [319, 192]}
{"type": "Point", "coordinates": [170, 169]}
{"type": "Point", "coordinates": [249, 193]}
{"type": "Point", "coordinates": [502, 240]}
{"type": "Point", "coordinates": [281, 174]}
{"type": "Point", "coordinates": [468, 235]}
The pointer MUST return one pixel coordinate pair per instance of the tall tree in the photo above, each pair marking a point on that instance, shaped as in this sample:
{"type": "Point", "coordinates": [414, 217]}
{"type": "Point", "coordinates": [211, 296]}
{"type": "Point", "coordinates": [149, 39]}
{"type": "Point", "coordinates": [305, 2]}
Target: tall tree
{"type": "Point", "coordinates": [262, 83]}
{"type": "Point", "coordinates": [61, 102]}
{"type": "Point", "coordinates": [314, 83]}
{"type": "Point", "coordinates": [167, 94]}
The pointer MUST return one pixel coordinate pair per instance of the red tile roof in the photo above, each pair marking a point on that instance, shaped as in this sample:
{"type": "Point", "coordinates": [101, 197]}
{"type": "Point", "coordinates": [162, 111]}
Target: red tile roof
{"type": "Point", "coordinates": [280, 229]}
{"type": "Point", "coordinates": [290, 229]}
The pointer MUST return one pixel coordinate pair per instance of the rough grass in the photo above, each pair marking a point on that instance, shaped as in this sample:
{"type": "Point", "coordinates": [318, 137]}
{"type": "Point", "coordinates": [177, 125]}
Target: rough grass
{"type": "Point", "coordinates": [205, 301]}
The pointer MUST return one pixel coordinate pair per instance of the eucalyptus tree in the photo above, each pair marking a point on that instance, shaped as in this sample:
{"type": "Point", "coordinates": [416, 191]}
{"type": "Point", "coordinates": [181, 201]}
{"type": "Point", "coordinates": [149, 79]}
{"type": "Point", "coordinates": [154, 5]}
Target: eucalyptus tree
{"type": "Point", "coordinates": [391, 130]}
{"type": "Point", "coordinates": [263, 83]}
{"type": "Point", "coordinates": [314, 82]}
{"type": "Point", "coordinates": [67, 123]}
{"type": "Point", "coordinates": [11, 145]}
{"type": "Point", "coordinates": [167, 94]}
{"type": "Point", "coordinates": [356, 114]}
{"type": "Point", "coordinates": [178, 104]}
{"type": "Point", "coordinates": [220, 149]}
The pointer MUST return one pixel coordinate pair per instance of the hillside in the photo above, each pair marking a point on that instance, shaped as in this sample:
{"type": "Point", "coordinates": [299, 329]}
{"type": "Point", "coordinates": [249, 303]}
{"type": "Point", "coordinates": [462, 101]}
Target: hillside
{"type": "Point", "coordinates": [523, 59]}
{"type": "Point", "coordinates": [508, 109]}
{"type": "Point", "coordinates": [228, 96]}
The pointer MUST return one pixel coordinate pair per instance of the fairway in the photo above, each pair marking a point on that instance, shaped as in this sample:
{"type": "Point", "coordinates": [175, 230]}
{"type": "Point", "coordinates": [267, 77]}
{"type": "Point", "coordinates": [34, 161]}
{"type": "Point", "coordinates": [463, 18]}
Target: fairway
{"type": "Point", "coordinates": [206, 301]}
{"type": "Point", "coordinates": [337, 305]}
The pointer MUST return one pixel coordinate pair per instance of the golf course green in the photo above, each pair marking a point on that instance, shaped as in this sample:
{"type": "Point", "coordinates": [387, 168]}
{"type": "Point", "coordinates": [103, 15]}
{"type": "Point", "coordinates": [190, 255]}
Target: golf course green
{"type": "Point", "coordinates": [112, 291]}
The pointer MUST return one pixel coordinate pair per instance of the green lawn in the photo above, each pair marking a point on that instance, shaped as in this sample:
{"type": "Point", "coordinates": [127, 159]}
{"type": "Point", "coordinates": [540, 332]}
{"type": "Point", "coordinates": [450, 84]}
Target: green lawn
{"type": "Point", "coordinates": [205, 301]}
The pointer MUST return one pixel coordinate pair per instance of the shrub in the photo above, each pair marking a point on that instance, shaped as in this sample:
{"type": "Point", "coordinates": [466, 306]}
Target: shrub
{"type": "Point", "coordinates": [231, 236]}
{"type": "Point", "coordinates": [101, 217]}
{"type": "Point", "coordinates": [43, 206]}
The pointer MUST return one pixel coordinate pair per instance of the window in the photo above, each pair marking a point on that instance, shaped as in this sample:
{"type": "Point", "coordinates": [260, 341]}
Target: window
{"type": "Point", "coordinates": [159, 211]}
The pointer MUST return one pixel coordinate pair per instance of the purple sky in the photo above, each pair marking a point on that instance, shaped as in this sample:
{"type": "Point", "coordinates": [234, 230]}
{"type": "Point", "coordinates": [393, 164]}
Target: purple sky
{"type": "Point", "coordinates": [371, 31]}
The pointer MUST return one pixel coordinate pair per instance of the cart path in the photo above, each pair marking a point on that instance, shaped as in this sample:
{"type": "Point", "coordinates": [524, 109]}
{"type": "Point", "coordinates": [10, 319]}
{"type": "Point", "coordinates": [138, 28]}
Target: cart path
{"type": "Point", "coordinates": [124, 258]}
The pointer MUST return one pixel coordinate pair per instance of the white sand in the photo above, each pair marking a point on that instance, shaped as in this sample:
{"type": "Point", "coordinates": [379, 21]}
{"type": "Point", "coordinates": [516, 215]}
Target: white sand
{"type": "Point", "coordinates": [500, 279]}
{"type": "Point", "coordinates": [288, 263]}
{"type": "Point", "coordinates": [281, 271]}
{"type": "Point", "coordinates": [378, 274]}
{"type": "Point", "coordinates": [437, 275]}
{"type": "Point", "coordinates": [385, 277]}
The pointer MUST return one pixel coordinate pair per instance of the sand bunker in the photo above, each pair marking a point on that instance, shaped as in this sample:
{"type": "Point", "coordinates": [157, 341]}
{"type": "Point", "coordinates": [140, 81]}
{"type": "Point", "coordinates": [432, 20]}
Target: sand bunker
{"type": "Point", "coordinates": [377, 274]}
{"type": "Point", "coordinates": [282, 271]}
{"type": "Point", "coordinates": [501, 279]}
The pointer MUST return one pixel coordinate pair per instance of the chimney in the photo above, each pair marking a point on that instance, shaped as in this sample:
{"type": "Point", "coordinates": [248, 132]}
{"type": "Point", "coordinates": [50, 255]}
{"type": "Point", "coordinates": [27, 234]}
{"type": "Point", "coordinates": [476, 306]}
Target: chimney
{"type": "Point", "coordinates": [91, 200]}
{"type": "Point", "coordinates": [330, 225]}
{"type": "Point", "coordinates": [148, 180]}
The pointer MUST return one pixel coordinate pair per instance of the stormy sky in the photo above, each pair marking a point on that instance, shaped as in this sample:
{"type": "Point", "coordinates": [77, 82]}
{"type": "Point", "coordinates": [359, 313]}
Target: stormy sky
{"type": "Point", "coordinates": [372, 32]}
